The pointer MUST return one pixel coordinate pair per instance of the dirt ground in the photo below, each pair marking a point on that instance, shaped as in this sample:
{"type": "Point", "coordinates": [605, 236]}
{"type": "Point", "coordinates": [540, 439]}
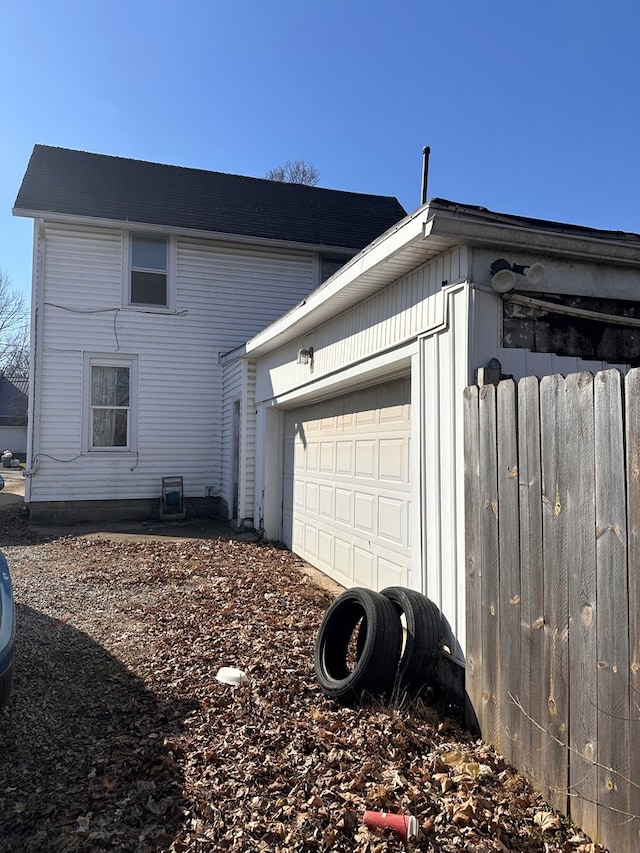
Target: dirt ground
{"type": "Point", "coordinates": [119, 737]}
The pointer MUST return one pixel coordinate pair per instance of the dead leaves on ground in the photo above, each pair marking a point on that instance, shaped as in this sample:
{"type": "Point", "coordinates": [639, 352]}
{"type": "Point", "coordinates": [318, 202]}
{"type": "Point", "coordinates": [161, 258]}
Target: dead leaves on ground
{"type": "Point", "coordinates": [164, 757]}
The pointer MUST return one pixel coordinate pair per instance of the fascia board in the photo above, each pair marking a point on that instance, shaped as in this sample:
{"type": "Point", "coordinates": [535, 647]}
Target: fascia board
{"type": "Point", "coordinates": [577, 246]}
{"type": "Point", "coordinates": [218, 236]}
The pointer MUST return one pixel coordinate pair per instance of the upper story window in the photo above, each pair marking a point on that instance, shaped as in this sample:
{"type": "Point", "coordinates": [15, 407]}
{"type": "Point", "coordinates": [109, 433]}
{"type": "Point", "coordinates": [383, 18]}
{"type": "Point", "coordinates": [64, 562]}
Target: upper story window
{"type": "Point", "coordinates": [149, 270]}
{"type": "Point", "coordinates": [329, 266]}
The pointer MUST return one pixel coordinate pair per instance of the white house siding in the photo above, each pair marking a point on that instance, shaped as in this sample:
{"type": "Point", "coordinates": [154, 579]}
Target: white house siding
{"type": "Point", "coordinates": [248, 445]}
{"type": "Point", "coordinates": [232, 388]}
{"type": "Point", "coordinates": [239, 388]}
{"type": "Point", "coordinates": [399, 313]}
{"type": "Point", "coordinates": [224, 295]}
{"type": "Point", "coordinates": [444, 373]}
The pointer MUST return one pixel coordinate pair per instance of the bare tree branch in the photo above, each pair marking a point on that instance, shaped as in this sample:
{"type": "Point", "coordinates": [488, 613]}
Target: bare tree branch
{"type": "Point", "coordinates": [295, 172]}
{"type": "Point", "coordinates": [14, 331]}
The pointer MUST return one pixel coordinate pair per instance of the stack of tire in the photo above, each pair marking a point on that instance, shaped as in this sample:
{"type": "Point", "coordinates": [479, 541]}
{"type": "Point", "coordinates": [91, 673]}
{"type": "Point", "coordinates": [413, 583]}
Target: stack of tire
{"type": "Point", "coordinates": [363, 649]}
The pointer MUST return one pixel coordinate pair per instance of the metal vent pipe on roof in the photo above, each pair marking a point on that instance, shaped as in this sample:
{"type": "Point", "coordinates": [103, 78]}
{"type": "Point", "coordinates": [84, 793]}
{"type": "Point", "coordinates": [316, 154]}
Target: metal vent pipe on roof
{"type": "Point", "coordinates": [425, 172]}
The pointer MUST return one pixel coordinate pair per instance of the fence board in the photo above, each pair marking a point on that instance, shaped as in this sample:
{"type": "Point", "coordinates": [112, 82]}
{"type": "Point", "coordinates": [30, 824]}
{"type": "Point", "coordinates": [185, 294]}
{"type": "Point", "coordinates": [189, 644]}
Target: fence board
{"type": "Point", "coordinates": [612, 612]}
{"type": "Point", "coordinates": [491, 650]}
{"type": "Point", "coordinates": [556, 609]}
{"type": "Point", "coordinates": [581, 570]}
{"type": "Point", "coordinates": [474, 661]}
{"type": "Point", "coordinates": [632, 408]}
{"type": "Point", "coordinates": [531, 694]}
{"type": "Point", "coordinates": [509, 561]}
{"type": "Point", "coordinates": [569, 541]}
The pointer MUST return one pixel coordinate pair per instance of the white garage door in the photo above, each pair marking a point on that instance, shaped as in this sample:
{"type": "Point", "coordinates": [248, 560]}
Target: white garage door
{"type": "Point", "coordinates": [347, 496]}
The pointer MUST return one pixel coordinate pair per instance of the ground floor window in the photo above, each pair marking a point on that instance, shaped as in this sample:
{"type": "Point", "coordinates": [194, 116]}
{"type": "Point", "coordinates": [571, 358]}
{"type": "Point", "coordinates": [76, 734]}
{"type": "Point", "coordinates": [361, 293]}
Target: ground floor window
{"type": "Point", "coordinates": [110, 409]}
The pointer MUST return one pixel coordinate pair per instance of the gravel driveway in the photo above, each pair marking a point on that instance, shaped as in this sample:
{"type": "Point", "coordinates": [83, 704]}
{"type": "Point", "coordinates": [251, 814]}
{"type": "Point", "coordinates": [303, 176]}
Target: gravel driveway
{"type": "Point", "coordinates": [119, 737]}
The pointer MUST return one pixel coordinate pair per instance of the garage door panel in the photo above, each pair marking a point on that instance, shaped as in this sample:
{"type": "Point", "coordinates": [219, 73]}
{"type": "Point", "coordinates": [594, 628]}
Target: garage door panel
{"type": "Point", "coordinates": [349, 510]}
{"type": "Point", "coordinates": [390, 573]}
{"type": "Point", "coordinates": [299, 488]}
{"type": "Point", "coordinates": [297, 535]}
{"type": "Point", "coordinates": [392, 401]}
{"type": "Point", "coordinates": [366, 418]}
{"type": "Point", "coordinates": [392, 460]}
{"type": "Point", "coordinates": [365, 458]}
{"type": "Point", "coordinates": [364, 512]}
{"type": "Point", "coordinates": [344, 501]}
{"type": "Point", "coordinates": [312, 457]}
{"type": "Point", "coordinates": [325, 548]}
{"type": "Point", "coordinates": [325, 501]}
{"type": "Point", "coordinates": [311, 540]}
{"type": "Point", "coordinates": [363, 567]}
{"type": "Point", "coordinates": [392, 523]}
{"type": "Point", "coordinates": [311, 497]}
{"type": "Point", "coordinates": [344, 458]}
{"type": "Point", "coordinates": [327, 455]}
{"type": "Point", "coordinates": [342, 556]}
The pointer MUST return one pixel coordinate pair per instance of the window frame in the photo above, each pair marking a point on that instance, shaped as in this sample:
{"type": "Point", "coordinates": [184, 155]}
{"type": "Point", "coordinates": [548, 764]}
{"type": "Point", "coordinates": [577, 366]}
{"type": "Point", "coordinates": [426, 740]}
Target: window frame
{"type": "Point", "coordinates": [329, 257]}
{"type": "Point", "coordinates": [171, 271]}
{"type": "Point", "coordinates": [92, 360]}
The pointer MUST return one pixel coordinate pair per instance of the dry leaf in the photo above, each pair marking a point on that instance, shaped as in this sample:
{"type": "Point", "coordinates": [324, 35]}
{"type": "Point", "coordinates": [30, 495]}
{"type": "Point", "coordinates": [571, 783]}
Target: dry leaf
{"type": "Point", "coordinates": [547, 821]}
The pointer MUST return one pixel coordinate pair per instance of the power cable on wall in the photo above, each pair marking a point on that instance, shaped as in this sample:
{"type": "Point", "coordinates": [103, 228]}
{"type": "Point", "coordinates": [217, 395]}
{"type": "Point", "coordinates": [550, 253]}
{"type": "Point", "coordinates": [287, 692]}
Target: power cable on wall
{"type": "Point", "coordinates": [117, 310]}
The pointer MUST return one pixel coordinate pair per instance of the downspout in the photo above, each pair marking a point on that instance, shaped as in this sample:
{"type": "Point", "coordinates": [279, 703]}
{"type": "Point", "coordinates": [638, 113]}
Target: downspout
{"type": "Point", "coordinates": [37, 302]}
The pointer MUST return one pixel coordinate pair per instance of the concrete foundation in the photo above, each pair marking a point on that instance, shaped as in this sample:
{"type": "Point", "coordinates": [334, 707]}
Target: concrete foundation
{"type": "Point", "coordinates": [147, 509]}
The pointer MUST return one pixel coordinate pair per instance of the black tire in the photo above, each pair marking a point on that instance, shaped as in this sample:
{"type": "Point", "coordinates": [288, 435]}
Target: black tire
{"type": "Point", "coordinates": [422, 641]}
{"type": "Point", "coordinates": [366, 624]}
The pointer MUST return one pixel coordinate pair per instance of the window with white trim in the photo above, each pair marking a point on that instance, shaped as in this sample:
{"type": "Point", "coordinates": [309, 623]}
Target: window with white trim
{"type": "Point", "coordinates": [110, 403]}
{"type": "Point", "coordinates": [148, 270]}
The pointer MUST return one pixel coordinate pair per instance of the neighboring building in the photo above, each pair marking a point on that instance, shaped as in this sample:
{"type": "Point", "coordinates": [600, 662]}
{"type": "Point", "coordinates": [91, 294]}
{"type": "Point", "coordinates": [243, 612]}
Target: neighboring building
{"type": "Point", "coordinates": [144, 276]}
{"type": "Point", "coordinates": [14, 397]}
{"type": "Point", "coordinates": [357, 458]}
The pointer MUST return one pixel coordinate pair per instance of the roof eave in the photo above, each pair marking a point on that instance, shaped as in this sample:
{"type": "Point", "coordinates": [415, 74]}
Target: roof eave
{"type": "Point", "coordinates": [570, 243]}
{"type": "Point", "coordinates": [396, 252]}
{"type": "Point", "coordinates": [434, 229]}
{"type": "Point", "coordinates": [197, 233]}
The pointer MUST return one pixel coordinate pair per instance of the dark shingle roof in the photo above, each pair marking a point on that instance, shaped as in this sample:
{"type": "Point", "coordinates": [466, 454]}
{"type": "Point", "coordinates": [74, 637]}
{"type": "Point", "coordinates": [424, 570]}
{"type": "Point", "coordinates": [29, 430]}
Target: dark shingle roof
{"type": "Point", "coordinates": [59, 180]}
{"type": "Point", "coordinates": [13, 401]}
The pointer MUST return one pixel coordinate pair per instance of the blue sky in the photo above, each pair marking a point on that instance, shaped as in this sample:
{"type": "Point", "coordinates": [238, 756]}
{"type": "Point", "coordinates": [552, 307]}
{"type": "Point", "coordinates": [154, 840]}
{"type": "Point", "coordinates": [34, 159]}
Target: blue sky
{"type": "Point", "coordinates": [531, 109]}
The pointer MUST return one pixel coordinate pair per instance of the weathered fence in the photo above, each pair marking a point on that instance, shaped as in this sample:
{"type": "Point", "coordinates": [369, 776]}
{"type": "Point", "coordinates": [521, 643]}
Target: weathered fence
{"type": "Point", "coordinates": [552, 483]}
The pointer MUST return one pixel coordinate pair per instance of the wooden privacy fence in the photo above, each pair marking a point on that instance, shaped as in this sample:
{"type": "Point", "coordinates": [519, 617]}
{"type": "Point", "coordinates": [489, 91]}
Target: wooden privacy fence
{"type": "Point", "coordinates": [552, 485]}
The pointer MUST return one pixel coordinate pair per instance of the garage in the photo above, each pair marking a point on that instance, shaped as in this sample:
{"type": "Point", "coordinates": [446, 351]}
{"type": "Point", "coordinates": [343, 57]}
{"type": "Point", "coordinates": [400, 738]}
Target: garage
{"type": "Point", "coordinates": [347, 488]}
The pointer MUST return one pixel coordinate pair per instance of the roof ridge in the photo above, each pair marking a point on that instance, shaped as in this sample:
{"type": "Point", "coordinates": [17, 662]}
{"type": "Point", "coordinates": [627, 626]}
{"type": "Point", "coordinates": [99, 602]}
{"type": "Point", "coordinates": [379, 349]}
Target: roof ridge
{"type": "Point", "coordinates": [88, 186]}
{"type": "Point", "coordinates": [160, 164]}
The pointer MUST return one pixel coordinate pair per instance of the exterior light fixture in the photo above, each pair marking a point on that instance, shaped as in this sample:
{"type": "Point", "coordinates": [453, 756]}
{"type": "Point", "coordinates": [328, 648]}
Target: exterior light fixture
{"type": "Point", "coordinates": [305, 355]}
{"type": "Point", "coordinates": [503, 274]}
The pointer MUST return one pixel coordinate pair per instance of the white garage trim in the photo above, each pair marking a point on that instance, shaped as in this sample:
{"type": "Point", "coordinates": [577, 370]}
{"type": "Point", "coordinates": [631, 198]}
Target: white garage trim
{"type": "Point", "coordinates": [381, 368]}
